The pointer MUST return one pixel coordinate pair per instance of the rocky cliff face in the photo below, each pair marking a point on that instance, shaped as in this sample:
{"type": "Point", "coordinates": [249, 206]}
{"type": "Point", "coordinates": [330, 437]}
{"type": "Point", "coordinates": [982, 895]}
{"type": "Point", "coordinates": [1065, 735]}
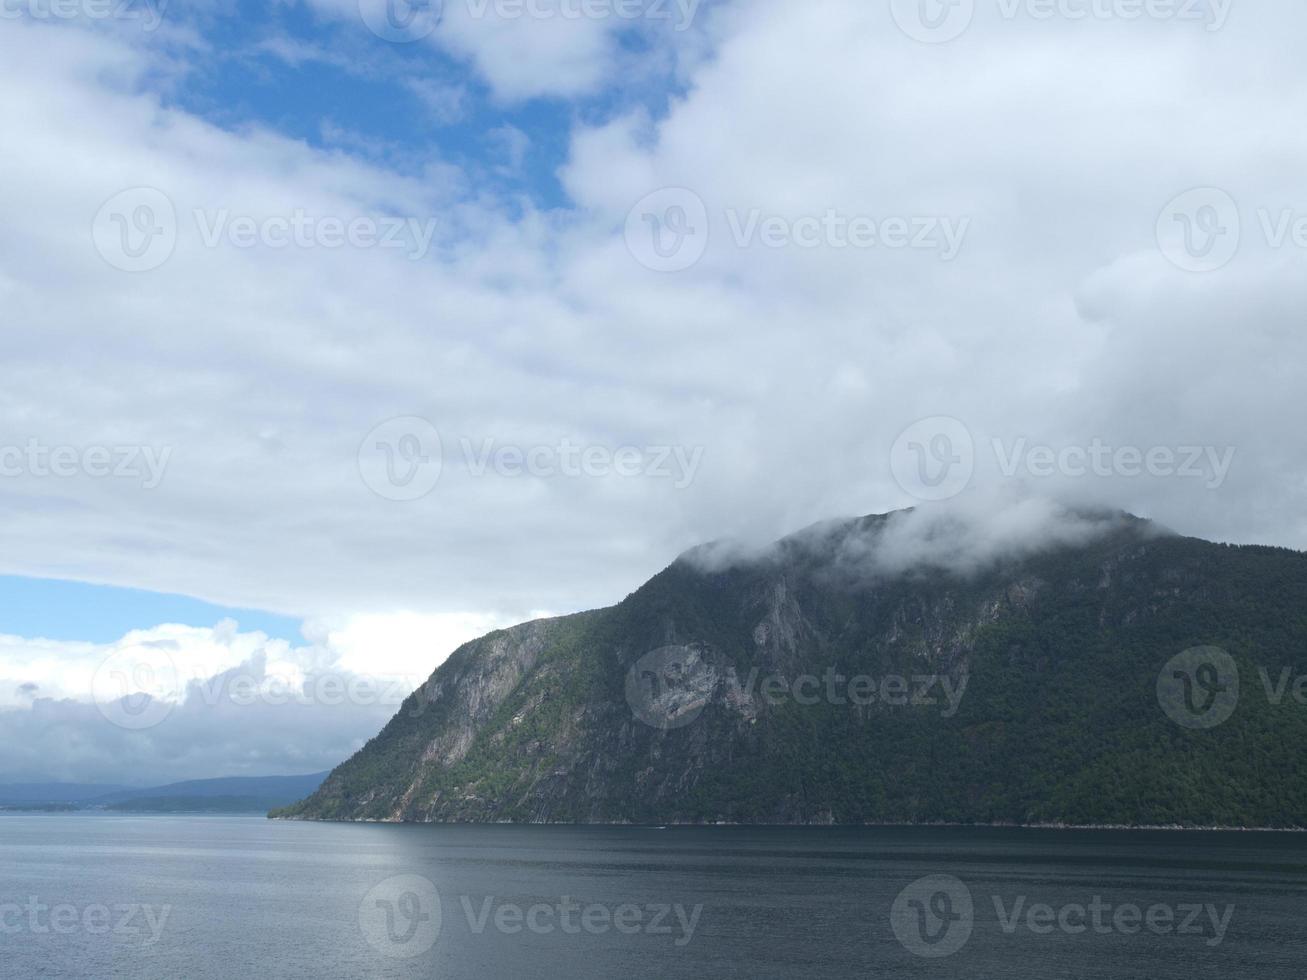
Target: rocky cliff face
{"type": "Point", "coordinates": [816, 682]}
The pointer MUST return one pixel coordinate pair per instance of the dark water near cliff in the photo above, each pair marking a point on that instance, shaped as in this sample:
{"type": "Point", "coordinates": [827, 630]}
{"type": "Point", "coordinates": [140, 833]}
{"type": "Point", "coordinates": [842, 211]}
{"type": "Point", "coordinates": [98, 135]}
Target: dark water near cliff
{"type": "Point", "coordinates": [209, 897]}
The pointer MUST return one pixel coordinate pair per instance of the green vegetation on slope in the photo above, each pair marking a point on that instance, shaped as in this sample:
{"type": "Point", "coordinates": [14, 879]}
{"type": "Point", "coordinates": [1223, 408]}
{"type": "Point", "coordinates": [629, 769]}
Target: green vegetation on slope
{"type": "Point", "coordinates": [1060, 721]}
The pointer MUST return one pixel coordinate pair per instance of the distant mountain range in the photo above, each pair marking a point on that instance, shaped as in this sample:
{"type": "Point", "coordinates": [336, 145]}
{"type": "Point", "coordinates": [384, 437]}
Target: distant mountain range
{"type": "Point", "coordinates": [237, 794]}
{"type": "Point", "coordinates": [843, 676]}
{"type": "Point", "coordinates": [53, 792]}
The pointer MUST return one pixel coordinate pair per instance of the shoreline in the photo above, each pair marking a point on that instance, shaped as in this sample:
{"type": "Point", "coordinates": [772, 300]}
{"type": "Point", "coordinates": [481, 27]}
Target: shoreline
{"type": "Point", "coordinates": [1166, 828]}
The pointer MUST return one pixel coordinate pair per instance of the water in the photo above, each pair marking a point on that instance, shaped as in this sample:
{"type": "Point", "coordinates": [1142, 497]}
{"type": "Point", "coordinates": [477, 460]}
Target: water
{"type": "Point", "coordinates": [218, 897]}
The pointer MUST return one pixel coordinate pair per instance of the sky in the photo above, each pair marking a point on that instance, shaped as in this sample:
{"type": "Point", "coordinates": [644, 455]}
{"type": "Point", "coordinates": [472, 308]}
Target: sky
{"type": "Point", "coordinates": [335, 333]}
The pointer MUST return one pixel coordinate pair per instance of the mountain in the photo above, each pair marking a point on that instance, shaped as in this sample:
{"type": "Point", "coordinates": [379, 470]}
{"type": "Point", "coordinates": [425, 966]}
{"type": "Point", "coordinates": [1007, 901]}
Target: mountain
{"type": "Point", "coordinates": [42, 793]}
{"type": "Point", "coordinates": [884, 669]}
{"type": "Point", "coordinates": [247, 794]}
{"type": "Point", "coordinates": [235, 794]}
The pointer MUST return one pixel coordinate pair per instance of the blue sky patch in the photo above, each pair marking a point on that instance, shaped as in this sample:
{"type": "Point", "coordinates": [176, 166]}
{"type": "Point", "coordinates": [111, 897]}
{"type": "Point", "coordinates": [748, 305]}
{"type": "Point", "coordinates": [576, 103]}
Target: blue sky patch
{"type": "Point", "coordinates": [75, 611]}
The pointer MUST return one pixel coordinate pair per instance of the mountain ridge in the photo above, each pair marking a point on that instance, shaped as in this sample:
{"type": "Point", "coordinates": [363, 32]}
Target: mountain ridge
{"type": "Point", "coordinates": [1056, 644]}
{"type": "Point", "coordinates": [228, 793]}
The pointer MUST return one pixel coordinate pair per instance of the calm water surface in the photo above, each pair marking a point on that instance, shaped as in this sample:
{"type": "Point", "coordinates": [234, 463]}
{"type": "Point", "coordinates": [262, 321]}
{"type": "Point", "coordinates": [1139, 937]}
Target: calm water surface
{"type": "Point", "coordinates": [215, 897]}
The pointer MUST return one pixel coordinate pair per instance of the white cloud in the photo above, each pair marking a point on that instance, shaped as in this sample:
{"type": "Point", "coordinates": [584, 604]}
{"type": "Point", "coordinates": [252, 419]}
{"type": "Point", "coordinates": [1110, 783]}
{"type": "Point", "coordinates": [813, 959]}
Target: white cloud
{"type": "Point", "coordinates": [971, 534]}
{"type": "Point", "coordinates": [67, 669]}
{"type": "Point", "coordinates": [444, 102]}
{"type": "Point", "coordinates": [511, 144]}
{"type": "Point", "coordinates": [524, 56]}
{"type": "Point", "coordinates": [216, 697]}
{"type": "Point", "coordinates": [526, 49]}
{"type": "Point", "coordinates": [403, 644]}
